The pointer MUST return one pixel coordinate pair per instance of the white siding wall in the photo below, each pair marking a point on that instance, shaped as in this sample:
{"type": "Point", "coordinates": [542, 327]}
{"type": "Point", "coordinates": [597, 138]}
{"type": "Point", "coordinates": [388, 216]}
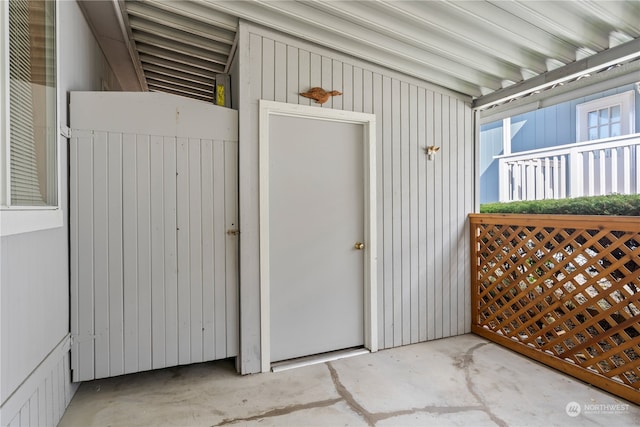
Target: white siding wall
{"type": "Point", "coordinates": [34, 283]}
{"type": "Point", "coordinates": [423, 273]}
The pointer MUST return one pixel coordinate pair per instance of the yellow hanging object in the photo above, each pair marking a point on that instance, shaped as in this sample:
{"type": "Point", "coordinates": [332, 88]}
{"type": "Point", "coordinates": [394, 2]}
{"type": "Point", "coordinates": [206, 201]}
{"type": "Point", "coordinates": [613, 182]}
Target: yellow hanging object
{"type": "Point", "coordinates": [220, 95]}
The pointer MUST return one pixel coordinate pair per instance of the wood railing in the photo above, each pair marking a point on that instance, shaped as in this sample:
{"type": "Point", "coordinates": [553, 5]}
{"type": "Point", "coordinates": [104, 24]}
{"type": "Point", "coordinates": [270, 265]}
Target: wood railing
{"type": "Point", "coordinates": [563, 290]}
{"type": "Point", "coordinates": [589, 168]}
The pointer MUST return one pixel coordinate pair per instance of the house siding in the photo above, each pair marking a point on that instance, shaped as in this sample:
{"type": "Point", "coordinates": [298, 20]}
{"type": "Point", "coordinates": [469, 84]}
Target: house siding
{"type": "Point", "coordinates": [490, 146]}
{"type": "Point", "coordinates": [423, 262]}
{"type": "Point", "coordinates": [543, 128]}
{"type": "Point", "coordinates": [34, 281]}
{"type": "Point", "coordinates": [556, 125]}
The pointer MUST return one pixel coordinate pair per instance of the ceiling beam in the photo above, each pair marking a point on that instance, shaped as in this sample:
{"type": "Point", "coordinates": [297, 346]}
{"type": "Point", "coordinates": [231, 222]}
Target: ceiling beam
{"type": "Point", "coordinates": [616, 55]}
{"type": "Point", "coordinates": [178, 57]}
{"type": "Point", "coordinates": [360, 47]}
{"type": "Point", "coordinates": [555, 18]}
{"type": "Point", "coordinates": [179, 47]}
{"type": "Point", "coordinates": [373, 39]}
{"type": "Point", "coordinates": [208, 89]}
{"type": "Point", "coordinates": [161, 30]}
{"type": "Point", "coordinates": [621, 15]}
{"type": "Point", "coordinates": [209, 73]}
{"type": "Point", "coordinates": [183, 90]}
{"type": "Point", "coordinates": [428, 15]}
{"type": "Point", "coordinates": [515, 29]}
{"type": "Point", "coordinates": [187, 76]}
{"type": "Point", "coordinates": [599, 82]}
{"type": "Point", "coordinates": [420, 36]}
{"type": "Point", "coordinates": [197, 11]}
{"type": "Point", "coordinates": [174, 20]}
{"type": "Point", "coordinates": [159, 88]}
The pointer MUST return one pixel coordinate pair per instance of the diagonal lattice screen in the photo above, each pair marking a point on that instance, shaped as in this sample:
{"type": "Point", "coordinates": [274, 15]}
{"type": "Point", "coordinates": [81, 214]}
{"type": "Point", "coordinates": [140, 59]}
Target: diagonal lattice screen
{"type": "Point", "coordinates": [566, 288]}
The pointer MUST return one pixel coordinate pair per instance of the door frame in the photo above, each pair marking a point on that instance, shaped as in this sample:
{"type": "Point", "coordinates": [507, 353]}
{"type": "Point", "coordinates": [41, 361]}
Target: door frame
{"type": "Point", "coordinates": [368, 122]}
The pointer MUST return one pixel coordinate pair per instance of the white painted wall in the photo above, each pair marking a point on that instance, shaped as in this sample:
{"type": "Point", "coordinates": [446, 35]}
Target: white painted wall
{"type": "Point", "coordinates": [34, 282]}
{"type": "Point", "coordinates": [423, 237]}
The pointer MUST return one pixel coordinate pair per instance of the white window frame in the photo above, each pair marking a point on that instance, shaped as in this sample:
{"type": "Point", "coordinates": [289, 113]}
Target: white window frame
{"type": "Point", "coordinates": [626, 100]}
{"type": "Point", "coordinates": [21, 219]}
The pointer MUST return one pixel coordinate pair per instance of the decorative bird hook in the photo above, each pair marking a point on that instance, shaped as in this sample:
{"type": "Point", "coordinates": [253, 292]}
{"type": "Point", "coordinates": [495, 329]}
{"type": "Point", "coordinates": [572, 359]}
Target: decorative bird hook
{"type": "Point", "coordinates": [319, 95]}
{"type": "Point", "coordinates": [431, 150]}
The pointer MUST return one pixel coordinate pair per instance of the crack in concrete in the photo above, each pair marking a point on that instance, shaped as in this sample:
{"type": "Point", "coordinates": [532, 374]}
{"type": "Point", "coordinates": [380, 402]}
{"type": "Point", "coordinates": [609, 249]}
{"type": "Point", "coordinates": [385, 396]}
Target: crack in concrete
{"type": "Point", "coordinates": [281, 411]}
{"type": "Point", "coordinates": [372, 418]}
{"type": "Point", "coordinates": [379, 416]}
{"type": "Point", "coordinates": [348, 397]}
{"type": "Point", "coordinates": [465, 363]}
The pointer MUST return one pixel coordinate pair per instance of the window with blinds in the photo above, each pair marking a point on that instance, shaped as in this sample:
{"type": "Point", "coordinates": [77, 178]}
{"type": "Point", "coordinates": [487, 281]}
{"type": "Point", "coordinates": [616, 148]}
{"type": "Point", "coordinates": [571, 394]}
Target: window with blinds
{"type": "Point", "coordinates": [32, 103]}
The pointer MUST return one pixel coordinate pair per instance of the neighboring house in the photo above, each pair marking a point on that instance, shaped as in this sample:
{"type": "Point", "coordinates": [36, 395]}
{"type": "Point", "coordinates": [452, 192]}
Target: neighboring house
{"type": "Point", "coordinates": [528, 144]}
{"type": "Point", "coordinates": [86, 262]}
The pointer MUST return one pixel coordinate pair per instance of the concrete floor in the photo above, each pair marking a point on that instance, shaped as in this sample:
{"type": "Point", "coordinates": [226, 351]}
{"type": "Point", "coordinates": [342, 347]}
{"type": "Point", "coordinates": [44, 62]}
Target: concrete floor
{"type": "Point", "coordinates": [461, 381]}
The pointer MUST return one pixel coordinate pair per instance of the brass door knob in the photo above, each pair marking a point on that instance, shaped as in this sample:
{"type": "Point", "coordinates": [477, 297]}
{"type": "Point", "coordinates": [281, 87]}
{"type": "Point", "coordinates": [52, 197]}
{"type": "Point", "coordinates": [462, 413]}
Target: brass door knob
{"type": "Point", "coordinates": [359, 246]}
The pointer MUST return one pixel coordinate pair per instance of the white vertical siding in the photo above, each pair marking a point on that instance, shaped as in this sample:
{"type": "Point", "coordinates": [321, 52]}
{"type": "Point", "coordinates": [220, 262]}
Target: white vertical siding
{"type": "Point", "coordinates": [153, 268]}
{"type": "Point", "coordinates": [423, 272]}
{"type": "Point", "coordinates": [50, 391]}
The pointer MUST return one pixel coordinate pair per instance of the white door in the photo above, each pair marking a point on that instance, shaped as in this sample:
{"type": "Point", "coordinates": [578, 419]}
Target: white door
{"type": "Point", "coordinates": [316, 218]}
{"type": "Point", "coordinates": [153, 219]}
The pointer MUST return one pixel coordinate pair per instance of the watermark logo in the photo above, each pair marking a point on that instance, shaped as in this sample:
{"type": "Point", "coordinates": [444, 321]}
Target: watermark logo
{"type": "Point", "coordinates": [573, 409]}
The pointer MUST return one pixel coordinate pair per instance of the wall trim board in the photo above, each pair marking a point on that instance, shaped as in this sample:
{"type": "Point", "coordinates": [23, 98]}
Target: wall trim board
{"type": "Point", "coordinates": [349, 59]}
{"type": "Point", "coordinates": [249, 349]}
{"type": "Point", "coordinates": [368, 121]}
{"type": "Point", "coordinates": [36, 380]}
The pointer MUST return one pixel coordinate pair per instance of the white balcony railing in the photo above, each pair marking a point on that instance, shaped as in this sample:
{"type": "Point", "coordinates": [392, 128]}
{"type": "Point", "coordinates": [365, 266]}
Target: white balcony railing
{"type": "Point", "coordinates": [591, 168]}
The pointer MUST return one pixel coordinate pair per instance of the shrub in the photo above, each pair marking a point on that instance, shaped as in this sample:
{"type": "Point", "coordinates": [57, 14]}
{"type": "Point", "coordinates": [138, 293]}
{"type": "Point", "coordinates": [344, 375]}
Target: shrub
{"type": "Point", "coordinates": [615, 204]}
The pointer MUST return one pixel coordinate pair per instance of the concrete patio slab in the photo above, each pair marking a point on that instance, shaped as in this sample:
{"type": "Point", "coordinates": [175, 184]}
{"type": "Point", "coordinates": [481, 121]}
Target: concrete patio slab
{"type": "Point", "coordinates": [460, 381]}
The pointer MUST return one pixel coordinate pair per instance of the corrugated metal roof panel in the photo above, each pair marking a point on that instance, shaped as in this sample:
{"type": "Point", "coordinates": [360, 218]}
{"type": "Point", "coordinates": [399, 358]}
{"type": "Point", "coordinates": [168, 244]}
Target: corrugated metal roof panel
{"type": "Point", "coordinates": [477, 48]}
{"type": "Point", "coordinates": [180, 45]}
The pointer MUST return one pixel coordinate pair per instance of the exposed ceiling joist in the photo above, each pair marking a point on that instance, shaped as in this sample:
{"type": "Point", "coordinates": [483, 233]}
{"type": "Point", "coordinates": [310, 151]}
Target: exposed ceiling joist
{"type": "Point", "coordinates": [436, 43]}
{"type": "Point", "coordinates": [554, 18]}
{"type": "Point", "coordinates": [472, 35]}
{"type": "Point", "coordinates": [510, 28]}
{"type": "Point", "coordinates": [172, 72]}
{"type": "Point", "coordinates": [488, 50]}
{"type": "Point", "coordinates": [173, 19]}
{"type": "Point", "coordinates": [611, 57]}
{"type": "Point", "coordinates": [179, 47]}
{"type": "Point", "coordinates": [176, 66]}
{"type": "Point", "coordinates": [197, 11]}
{"type": "Point", "coordinates": [154, 29]}
{"type": "Point", "coordinates": [343, 39]}
{"type": "Point", "coordinates": [179, 57]}
{"type": "Point", "coordinates": [599, 82]}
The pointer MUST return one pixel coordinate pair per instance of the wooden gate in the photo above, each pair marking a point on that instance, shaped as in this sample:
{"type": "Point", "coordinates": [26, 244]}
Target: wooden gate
{"type": "Point", "coordinates": [563, 290]}
{"type": "Point", "coordinates": [153, 221]}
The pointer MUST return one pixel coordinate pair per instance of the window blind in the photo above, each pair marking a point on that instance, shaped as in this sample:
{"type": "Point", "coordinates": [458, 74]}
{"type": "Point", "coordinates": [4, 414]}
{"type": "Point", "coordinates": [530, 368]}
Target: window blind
{"type": "Point", "coordinates": [32, 162]}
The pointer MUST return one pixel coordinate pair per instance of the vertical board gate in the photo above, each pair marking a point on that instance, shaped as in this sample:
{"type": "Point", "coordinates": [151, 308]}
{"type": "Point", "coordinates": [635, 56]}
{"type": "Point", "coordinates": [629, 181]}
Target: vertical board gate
{"type": "Point", "coordinates": [153, 214]}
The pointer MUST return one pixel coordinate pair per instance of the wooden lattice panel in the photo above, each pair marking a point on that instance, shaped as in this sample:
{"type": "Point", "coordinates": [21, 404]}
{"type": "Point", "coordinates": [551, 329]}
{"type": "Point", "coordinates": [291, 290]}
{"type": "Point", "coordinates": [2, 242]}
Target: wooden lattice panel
{"type": "Point", "coordinates": [565, 286]}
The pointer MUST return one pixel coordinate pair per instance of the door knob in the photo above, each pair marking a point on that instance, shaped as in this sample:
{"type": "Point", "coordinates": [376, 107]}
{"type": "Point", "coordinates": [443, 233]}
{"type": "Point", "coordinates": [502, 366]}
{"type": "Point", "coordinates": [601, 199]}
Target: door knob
{"type": "Point", "coordinates": [359, 246]}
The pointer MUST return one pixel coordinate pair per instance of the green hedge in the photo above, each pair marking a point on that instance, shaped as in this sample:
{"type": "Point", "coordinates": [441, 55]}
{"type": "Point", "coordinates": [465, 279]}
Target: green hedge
{"type": "Point", "coordinates": [616, 204]}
